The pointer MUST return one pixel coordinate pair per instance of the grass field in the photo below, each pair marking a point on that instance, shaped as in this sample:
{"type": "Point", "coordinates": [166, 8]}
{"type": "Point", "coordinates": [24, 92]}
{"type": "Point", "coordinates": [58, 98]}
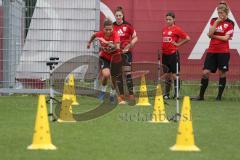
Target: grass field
{"type": "Point", "coordinates": [112, 137]}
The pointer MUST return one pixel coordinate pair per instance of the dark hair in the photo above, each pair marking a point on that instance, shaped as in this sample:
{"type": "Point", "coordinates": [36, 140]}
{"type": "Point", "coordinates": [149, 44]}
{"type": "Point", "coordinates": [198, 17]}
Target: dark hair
{"type": "Point", "coordinates": [223, 3]}
{"type": "Point", "coordinates": [107, 22]}
{"type": "Point", "coordinates": [171, 14]}
{"type": "Point", "coordinates": [120, 9]}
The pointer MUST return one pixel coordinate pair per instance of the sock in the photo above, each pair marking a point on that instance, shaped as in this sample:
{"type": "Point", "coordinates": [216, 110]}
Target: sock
{"type": "Point", "coordinates": [129, 84]}
{"type": "Point", "coordinates": [204, 85]}
{"type": "Point", "coordinates": [167, 86]}
{"type": "Point", "coordinates": [104, 88]}
{"type": "Point", "coordinates": [119, 82]}
{"type": "Point", "coordinates": [112, 92]}
{"type": "Point", "coordinates": [221, 86]}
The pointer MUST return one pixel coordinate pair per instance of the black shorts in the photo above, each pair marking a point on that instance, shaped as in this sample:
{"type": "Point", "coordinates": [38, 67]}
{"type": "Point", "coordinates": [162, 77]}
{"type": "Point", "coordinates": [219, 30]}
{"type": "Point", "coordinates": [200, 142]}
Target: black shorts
{"type": "Point", "coordinates": [104, 63]}
{"type": "Point", "coordinates": [127, 59]}
{"type": "Point", "coordinates": [171, 62]}
{"type": "Point", "coordinates": [214, 61]}
{"type": "Point", "coordinates": [115, 68]}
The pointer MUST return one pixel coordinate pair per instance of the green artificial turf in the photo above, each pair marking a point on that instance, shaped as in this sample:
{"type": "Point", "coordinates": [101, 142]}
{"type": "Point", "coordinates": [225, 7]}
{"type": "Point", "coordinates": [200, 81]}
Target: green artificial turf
{"type": "Point", "coordinates": [122, 134]}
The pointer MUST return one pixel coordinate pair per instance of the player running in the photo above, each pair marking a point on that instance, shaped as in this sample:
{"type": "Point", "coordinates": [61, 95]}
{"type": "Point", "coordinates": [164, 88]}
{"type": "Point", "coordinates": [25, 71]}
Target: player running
{"type": "Point", "coordinates": [109, 46]}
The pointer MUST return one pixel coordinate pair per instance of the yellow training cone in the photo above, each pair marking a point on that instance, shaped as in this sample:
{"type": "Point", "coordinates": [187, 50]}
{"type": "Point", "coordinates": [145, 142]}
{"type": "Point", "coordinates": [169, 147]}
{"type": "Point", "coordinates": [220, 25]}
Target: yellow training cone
{"type": "Point", "coordinates": [72, 89]}
{"type": "Point", "coordinates": [69, 89]}
{"type": "Point", "coordinates": [66, 110]}
{"type": "Point", "coordinates": [143, 95]}
{"type": "Point", "coordinates": [159, 115]}
{"type": "Point", "coordinates": [42, 135]}
{"type": "Point", "coordinates": [185, 135]}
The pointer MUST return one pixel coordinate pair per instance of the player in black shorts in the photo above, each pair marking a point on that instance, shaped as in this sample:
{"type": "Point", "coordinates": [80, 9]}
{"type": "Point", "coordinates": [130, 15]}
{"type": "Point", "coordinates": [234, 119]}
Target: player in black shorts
{"type": "Point", "coordinates": [218, 54]}
{"type": "Point", "coordinates": [173, 37]}
{"type": "Point", "coordinates": [109, 47]}
{"type": "Point", "coordinates": [128, 38]}
{"type": "Point", "coordinates": [170, 62]}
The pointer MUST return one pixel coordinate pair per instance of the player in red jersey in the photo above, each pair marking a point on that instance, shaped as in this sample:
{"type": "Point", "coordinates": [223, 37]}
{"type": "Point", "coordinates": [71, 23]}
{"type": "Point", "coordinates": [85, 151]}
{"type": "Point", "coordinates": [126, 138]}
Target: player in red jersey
{"type": "Point", "coordinates": [218, 54]}
{"type": "Point", "coordinates": [128, 40]}
{"type": "Point", "coordinates": [172, 38]}
{"type": "Point", "coordinates": [109, 46]}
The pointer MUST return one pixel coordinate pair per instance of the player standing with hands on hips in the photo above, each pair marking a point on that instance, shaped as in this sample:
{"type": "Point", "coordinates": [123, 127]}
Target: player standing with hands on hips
{"type": "Point", "coordinates": [173, 37]}
{"type": "Point", "coordinates": [218, 54]}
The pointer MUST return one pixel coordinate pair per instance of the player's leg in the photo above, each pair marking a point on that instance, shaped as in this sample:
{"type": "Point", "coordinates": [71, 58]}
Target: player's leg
{"type": "Point", "coordinates": [120, 90]}
{"type": "Point", "coordinates": [167, 85]}
{"type": "Point", "coordinates": [113, 88]}
{"type": "Point", "coordinates": [127, 69]}
{"type": "Point", "coordinates": [167, 76]}
{"type": "Point", "coordinates": [223, 63]}
{"type": "Point", "coordinates": [117, 84]}
{"type": "Point", "coordinates": [221, 84]}
{"type": "Point", "coordinates": [210, 66]}
{"type": "Point", "coordinates": [117, 77]}
{"type": "Point", "coordinates": [204, 83]}
{"type": "Point", "coordinates": [173, 63]}
{"type": "Point", "coordinates": [104, 66]}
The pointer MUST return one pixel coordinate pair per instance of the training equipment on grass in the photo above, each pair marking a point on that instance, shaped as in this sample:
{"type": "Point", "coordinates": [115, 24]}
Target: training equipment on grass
{"type": "Point", "coordinates": [72, 91]}
{"type": "Point", "coordinates": [143, 99]}
{"type": "Point", "coordinates": [185, 136]}
{"type": "Point", "coordinates": [42, 135]}
{"type": "Point", "coordinates": [53, 62]}
{"type": "Point", "coordinates": [159, 115]}
{"type": "Point", "coordinates": [66, 109]}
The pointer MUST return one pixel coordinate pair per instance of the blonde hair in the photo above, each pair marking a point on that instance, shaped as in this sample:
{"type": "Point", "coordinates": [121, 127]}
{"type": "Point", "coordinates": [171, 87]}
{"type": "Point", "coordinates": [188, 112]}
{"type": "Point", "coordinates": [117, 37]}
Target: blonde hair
{"type": "Point", "coordinates": [223, 7]}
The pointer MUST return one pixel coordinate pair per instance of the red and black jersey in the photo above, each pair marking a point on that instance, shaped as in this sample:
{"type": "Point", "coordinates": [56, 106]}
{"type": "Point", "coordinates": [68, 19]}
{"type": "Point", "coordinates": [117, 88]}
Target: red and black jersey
{"type": "Point", "coordinates": [170, 35]}
{"type": "Point", "coordinates": [222, 29]}
{"type": "Point", "coordinates": [114, 38]}
{"type": "Point", "coordinates": [125, 31]}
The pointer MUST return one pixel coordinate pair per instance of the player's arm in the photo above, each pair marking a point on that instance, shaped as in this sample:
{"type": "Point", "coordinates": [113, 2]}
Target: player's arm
{"type": "Point", "coordinates": [222, 38]}
{"type": "Point", "coordinates": [91, 40]}
{"type": "Point", "coordinates": [132, 43]}
{"type": "Point", "coordinates": [184, 38]}
{"type": "Point", "coordinates": [181, 42]}
{"type": "Point", "coordinates": [115, 45]}
{"type": "Point", "coordinates": [227, 36]}
{"type": "Point", "coordinates": [112, 47]}
{"type": "Point", "coordinates": [134, 40]}
{"type": "Point", "coordinates": [213, 27]}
